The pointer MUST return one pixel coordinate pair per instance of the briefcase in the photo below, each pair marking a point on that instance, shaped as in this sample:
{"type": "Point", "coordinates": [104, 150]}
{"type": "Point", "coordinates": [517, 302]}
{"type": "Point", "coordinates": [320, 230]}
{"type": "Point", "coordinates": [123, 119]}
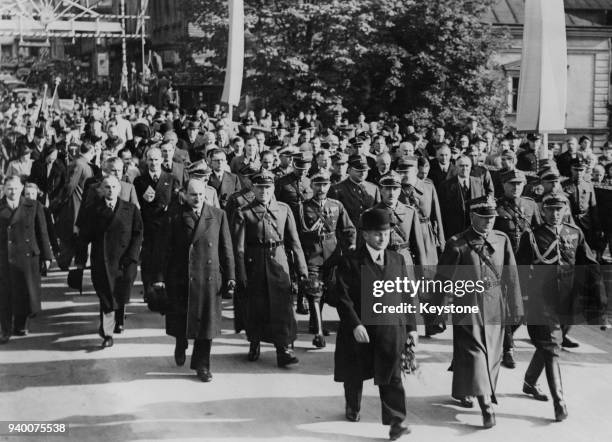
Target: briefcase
{"type": "Point", "coordinates": [157, 299]}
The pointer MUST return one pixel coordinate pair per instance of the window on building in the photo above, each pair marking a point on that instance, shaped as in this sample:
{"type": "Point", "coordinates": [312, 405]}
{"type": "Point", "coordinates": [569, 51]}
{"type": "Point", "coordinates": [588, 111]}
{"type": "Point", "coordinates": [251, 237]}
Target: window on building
{"type": "Point", "coordinates": [515, 93]}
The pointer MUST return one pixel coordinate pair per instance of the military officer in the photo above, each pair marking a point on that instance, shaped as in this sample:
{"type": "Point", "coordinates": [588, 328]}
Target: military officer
{"type": "Point", "coordinates": [553, 250]}
{"type": "Point", "coordinates": [421, 195]}
{"type": "Point", "coordinates": [527, 160]}
{"type": "Point", "coordinates": [264, 233]}
{"type": "Point", "coordinates": [405, 236]}
{"type": "Point", "coordinates": [325, 232]}
{"type": "Point", "coordinates": [285, 166]}
{"type": "Point", "coordinates": [355, 193]}
{"type": "Point", "coordinates": [293, 189]}
{"type": "Point", "coordinates": [484, 255]}
{"type": "Point", "coordinates": [582, 201]}
{"type": "Point", "coordinates": [339, 167]}
{"type": "Point", "coordinates": [515, 215]}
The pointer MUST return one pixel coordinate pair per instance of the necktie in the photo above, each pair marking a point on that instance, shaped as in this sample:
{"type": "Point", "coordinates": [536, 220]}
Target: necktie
{"type": "Point", "coordinates": [379, 259]}
{"type": "Point", "coordinates": [167, 167]}
{"type": "Point", "coordinates": [110, 205]}
{"type": "Point", "coordinates": [155, 178]}
{"type": "Point", "coordinates": [466, 189]}
{"type": "Point", "coordinates": [197, 213]}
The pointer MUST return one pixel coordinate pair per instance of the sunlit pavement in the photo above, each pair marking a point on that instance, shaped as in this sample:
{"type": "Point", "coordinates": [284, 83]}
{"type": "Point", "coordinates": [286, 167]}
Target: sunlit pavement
{"type": "Point", "coordinates": [135, 392]}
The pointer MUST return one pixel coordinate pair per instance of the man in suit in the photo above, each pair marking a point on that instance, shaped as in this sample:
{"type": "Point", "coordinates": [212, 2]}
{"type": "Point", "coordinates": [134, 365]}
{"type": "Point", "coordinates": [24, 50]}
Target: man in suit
{"type": "Point", "coordinates": [264, 233]}
{"type": "Point", "coordinates": [158, 195]}
{"type": "Point", "coordinates": [441, 168]}
{"type": "Point", "coordinates": [49, 174]}
{"type": "Point", "coordinates": [200, 171]}
{"type": "Point", "coordinates": [171, 164]}
{"type": "Point", "coordinates": [181, 155]}
{"type": "Point", "coordinates": [454, 195]}
{"type": "Point", "coordinates": [371, 346]}
{"type": "Point", "coordinates": [23, 243]}
{"type": "Point", "coordinates": [67, 208]}
{"type": "Point", "coordinates": [198, 265]}
{"type": "Point", "coordinates": [94, 189]}
{"type": "Point", "coordinates": [224, 182]}
{"type": "Point", "coordinates": [114, 229]}
{"type": "Point", "coordinates": [482, 255]}
{"type": "Point", "coordinates": [564, 161]}
{"type": "Point", "coordinates": [194, 143]}
{"type": "Point", "coordinates": [355, 193]}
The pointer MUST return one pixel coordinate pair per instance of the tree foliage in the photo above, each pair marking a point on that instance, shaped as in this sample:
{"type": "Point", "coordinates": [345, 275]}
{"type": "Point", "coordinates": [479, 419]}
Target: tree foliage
{"type": "Point", "coordinates": [431, 60]}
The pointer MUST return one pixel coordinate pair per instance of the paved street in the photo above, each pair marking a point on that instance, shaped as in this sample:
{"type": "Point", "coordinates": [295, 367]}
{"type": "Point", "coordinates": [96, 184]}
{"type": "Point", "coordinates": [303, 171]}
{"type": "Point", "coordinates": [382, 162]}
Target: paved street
{"type": "Point", "coordinates": [133, 391]}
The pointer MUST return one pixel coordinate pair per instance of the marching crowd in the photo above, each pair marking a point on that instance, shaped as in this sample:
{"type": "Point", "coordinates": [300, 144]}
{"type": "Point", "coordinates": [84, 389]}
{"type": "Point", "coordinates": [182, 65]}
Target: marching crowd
{"type": "Point", "coordinates": [284, 213]}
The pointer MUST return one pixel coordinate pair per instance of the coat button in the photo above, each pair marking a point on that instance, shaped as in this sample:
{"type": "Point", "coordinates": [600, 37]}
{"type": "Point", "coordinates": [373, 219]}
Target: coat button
{"type": "Point", "coordinates": [210, 278]}
{"type": "Point", "coordinates": [27, 254]}
{"type": "Point", "coordinates": [209, 261]}
{"type": "Point", "coordinates": [210, 244]}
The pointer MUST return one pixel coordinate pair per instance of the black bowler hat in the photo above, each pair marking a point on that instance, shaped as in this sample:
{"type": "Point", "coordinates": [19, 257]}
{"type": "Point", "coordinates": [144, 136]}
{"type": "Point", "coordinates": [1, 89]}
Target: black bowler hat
{"type": "Point", "coordinates": [512, 135]}
{"type": "Point", "coordinates": [406, 162]}
{"type": "Point", "coordinates": [483, 206]}
{"type": "Point", "coordinates": [375, 219]}
{"type": "Point", "coordinates": [339, 158]}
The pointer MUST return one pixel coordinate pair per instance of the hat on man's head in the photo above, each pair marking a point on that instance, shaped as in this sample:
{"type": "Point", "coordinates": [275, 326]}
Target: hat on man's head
{"type": "Point", "coordinates": [554, 199]}
{"type": "Point", "coordinates": [391, 179]}
{"type": "Point", "coordinates": [339, 158]}
{"type": "Point", "coordinates": [483, 206]}
{"type": "Point", "coordinates": [584, 138]}
{"type": "Point", "coordinates": [406, 162]}
{"type": "Point", "coordinates": [512, 135]}
{"type": "Point", "coordinates": [320, 178]}
{"type": "Point", "coordinates": [513, 176]}
{"type": "Point", "coordinates": [549, 174]}
{"type": "Point", "coordinates": [198, 169]}
{"type": "Point", "coordinates": [288, 151]}
{"type": "Point", "coordinates": [358, 162]}
{"type": "Point", "coordinates": [375, 219]}
{"type": "Point", "coordinates": [142, 130]}
{"type": "Point", "coordinates": [533, 137]}
{"type": "Point", "coordinates": [302, 160]}
{"type": "Point", "coordinates": [263, 178]}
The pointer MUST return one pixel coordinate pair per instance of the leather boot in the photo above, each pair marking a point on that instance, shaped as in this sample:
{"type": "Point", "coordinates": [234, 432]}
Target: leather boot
{"type": "Point", "coordinates": [553, 376]}
{"type": "Point", "coordinates": [488, 416]}
{"type": "Point", "coordinates": [530, 384]}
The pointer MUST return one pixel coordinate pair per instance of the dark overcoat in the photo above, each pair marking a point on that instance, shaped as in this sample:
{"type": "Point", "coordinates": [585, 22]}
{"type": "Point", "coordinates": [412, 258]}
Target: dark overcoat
{"type": "Point", "coordinates": [263, 237]}
{"type": "Point", "coordinates": [356, 198]}
{"type": "Point", "coordinates": [198, 264]}
{"type": "Point", "coordinates": [229, 184]}
{"type": "Point", "coordinates": [23, 242]}
{"type": "Point", "coordinates": [454, 205]}
{"type": "Point", "coordinates": [478, 337]}
{"type": "Point", "coordinates": [116, 238]}
{"type": "Point", "coordinates": [381, 357]}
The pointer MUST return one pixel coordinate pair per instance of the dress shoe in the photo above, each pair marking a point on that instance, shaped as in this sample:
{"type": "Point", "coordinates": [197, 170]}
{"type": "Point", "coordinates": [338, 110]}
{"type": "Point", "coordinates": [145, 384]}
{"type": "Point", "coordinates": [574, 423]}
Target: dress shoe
{"type": "Point", "coordinates": [535, 391]}
{"type": "Point", "coordinates": [398, 430]}
{"type": "Point", "coordinates": [465, 402]}
{"type": "Point", "coordinates": [204, 374]}
{"type": "Point", "coordinates": [569, 343]}
{"type": "Point", "coordinates": [108, 342]}
{"type": "Point", "coordinates": [4, 339]}
{"type": "Point", "coordinates": [285, 357]}
{"type": "Point", "coordinates": [119, 329]}
{"type": "Point", "coordinates": [508, 360]}
{"type": "Point", "coordinates": [352, 415]}
{"type": "Point", "coordinates": [20, 332]}
{"type": "Point", "coordinates": [560, 411]}
{"type": "Point", "coordinates": [253, 351]}
{"type": "Point", "coordinates": [318, 341]}
{"type": "Point", "coordinates": [179, 355]}
{"type": "Point", "coordinates": [325, 331]}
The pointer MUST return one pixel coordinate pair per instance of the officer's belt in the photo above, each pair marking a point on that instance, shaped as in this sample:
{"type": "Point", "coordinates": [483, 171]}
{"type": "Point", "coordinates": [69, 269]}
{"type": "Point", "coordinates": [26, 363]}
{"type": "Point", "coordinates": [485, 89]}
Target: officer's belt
{"type": "Point", "coordinates": [398, 246]}
{"type": "Point", "coordinates": [316, 236]}
{"type": "Point", "coordinates": [490, 284]}
{"type": "Point", "coordinates": [266, 245]}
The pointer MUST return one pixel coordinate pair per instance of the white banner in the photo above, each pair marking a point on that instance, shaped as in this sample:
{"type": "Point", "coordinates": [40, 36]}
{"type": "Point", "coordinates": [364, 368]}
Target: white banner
{"type": "Point", "coordinates": [235, 54]}
{"type": "Point", "coordinates": [542, 96]}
